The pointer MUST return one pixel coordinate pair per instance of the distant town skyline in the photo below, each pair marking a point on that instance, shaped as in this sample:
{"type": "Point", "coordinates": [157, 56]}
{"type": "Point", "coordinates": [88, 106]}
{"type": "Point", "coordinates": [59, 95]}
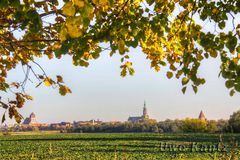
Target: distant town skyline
{"type": "Point", "coordinates": [31, 120]}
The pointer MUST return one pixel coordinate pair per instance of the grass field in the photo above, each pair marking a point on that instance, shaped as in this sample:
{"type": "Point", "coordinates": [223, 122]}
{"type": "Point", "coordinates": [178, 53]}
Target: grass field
{"type": "Point", "coordinates": [114, 146]}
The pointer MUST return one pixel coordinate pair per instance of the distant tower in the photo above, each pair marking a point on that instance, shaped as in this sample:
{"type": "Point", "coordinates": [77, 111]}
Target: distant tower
{"type": "Point", "coordinates": [202, 116]}
{"type": "Point", "coordinates": [31, 120]}
{"type": "Point", "coordinates": [145, 114]}
{"type": "Point", "coordinates": [33, 117]}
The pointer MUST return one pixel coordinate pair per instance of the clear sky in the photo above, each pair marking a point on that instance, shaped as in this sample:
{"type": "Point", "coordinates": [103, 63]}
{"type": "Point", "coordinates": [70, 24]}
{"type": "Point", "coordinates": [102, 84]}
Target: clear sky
{"type": "Point", "coordinates": [99, 92]}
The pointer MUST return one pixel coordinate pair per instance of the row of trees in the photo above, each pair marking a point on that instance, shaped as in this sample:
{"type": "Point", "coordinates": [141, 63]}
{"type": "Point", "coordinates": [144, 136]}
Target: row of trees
{"type": "Point", "coordinates": [187, 125]}
{"type": "Point", "coordinates": [168, 126]}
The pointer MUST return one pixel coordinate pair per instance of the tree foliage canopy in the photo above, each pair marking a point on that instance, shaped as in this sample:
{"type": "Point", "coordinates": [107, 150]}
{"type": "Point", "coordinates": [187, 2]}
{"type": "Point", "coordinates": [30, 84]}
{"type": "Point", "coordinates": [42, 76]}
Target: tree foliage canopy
{"type": "Point", "coordinates": [234, 122]}
{"type": "Point", "coordinates": [169, 32]}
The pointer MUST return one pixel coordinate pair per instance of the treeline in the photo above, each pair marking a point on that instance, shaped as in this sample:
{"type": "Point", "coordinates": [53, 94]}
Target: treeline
{"type": "Point", "coordinates": [187, 125]}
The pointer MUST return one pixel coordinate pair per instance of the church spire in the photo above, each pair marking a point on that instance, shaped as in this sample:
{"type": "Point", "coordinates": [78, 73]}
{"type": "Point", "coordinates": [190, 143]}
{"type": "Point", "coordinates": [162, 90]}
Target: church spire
{"type": "Point", "coordinates": [202, 116]}
{"type": "Point", "coordinates": [145, 114]}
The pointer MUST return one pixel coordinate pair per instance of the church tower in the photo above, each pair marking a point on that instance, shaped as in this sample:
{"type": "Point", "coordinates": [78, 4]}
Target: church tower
{"type": "Point", "coordinates": [145, 114]}
{"type": "Point", "coordinates": [202, 116]}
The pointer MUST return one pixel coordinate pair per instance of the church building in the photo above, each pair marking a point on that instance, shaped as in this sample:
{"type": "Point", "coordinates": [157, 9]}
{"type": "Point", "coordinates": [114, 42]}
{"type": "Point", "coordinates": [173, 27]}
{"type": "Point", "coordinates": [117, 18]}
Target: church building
{"type": "Point", "coordinates": [31, 120]}
{"type": "Point", "coordinates": [145, 115]}
{"type": "Point", "coordinates": [202, 116]}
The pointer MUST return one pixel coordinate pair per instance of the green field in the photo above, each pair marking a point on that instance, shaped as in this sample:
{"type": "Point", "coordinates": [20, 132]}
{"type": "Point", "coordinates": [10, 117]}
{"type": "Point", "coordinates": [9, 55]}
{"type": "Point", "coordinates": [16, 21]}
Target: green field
{"type": "Point", "coordinates": [115, 146]}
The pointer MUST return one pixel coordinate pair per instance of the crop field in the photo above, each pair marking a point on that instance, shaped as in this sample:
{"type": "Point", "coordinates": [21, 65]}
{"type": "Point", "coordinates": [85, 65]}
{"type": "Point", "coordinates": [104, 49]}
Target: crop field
{"type": "Point", "coordinates": [118, 146]}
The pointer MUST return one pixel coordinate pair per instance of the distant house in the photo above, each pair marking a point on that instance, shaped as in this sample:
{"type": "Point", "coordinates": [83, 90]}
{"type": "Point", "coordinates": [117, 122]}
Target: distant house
{"type": "Point", "coordinates": [202, 116]}
{"type": "Point", "coordinates": [90, 122]}
{"type": "Point", "coordinates": [145, 115]}
{"type": "Point", "coordinates": [62, 125]}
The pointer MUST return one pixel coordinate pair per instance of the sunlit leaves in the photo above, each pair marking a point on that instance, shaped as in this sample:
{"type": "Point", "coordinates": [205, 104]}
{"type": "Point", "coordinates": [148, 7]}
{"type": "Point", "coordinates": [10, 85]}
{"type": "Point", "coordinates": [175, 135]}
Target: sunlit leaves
{"type": "Point", "coordinates": [185, 80]}
{"type": "Point", "coordinates": [127, 68]}
{"type": "Point", "coordinates": [79, 3]}
{"type": "Point", "coordinates": [169, 75]}
{"type": "Point", "coordinates": [59, 79]}
{"type": "Point", "coordinates": [69, 9]}
{"type": "Point", "coordinates": [20, 100]}
{"type": "Point", "coordinates": [231, 43]}
{"type": "Point", "coordinates": [12, 111]}
{"type": "Point", "coordinates": [48, 81]}
{"type": "Point", "coordinates": [63, 34]}
{"type": "Point", "coordinates": [121, 46]}
{"type": "Point", "coordinates": [4, 86]}
{"type": "Point", "coordinates": [74, 26]}
{"type": "Point", "coordinates": [63, 90]}
{"type": "Point", "coordinates": [101, 2]}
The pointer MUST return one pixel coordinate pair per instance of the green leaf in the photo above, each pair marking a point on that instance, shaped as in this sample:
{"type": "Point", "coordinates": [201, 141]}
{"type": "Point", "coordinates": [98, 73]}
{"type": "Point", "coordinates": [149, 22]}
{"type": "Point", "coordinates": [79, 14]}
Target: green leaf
{"type": "Point", "coordinates": [229, 83]}
{"type": "Point", "coordinates": [131, 71]}
{"type": "Point", "coordinates": [231, 43]}
{"type": "Point", "coordinates": [195, 89]}
{"type": "Point", "coordinates": [184, 89]}
{"type": "Point", "coordinates": [169, 75]}
{"type": "Point", "coordinates": [185, 80]}
{"type": "Point", "coordinates": [150, 2]}
{"type": "Point", "coordinates": [3, 118]}
{"type": "Point", "coordinates": [124, 72]}
{"type": "Point", "coordinates": [222, 25]}
{"type": "Point", "coordinates": [237, 87]}
{"type": "Point", "coordinates": [232, 92]}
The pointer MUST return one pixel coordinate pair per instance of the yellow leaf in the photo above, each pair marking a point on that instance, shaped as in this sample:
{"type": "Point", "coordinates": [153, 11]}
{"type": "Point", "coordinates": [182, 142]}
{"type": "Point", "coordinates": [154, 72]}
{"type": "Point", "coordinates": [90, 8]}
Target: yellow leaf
{"type": "Point", "coordinates": [215, 11]}
{"type": "Point", "coordinates": [103, 2]}
{"type": "Point", "coordinates": [235, 60]}
{"type": "Point", "coordinates": [79, 3]}
{"type": "Point", "coordinates": [87, 55]}
{"type": "Point", "coordinates": [169, 75]}
{"type": "Point", "coordinates": [95, 1]}
{"type": "Point", "coordinates": [121, 46]}
{"type": "Point", "coordinates": [128, 64]}
{"type": "Point", "coordinates": [69, 9]}
{"type": "Point", "coordinates": [29, 97]}
{"type": "Point", "coordinates": [59, 79]}
{"type": "Point", "coordinates": [238, 56]}
{"type": "Point", "coordinates": [63, 34]}
{"type": "Point", "coordinates": [74, 26]}
{"type": "Point", "coordinates": [157, 68]}
{"type": "Point", "coordinates": [50, 55]}
{"type": "Point", "coordinates": [47, 82]}
{"type": "Point", "coordinates": [63, 90]}
{"type": "Point", "coordinates": [20, 100]}
{"type": "Point", "coordinates": [213, 53]}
